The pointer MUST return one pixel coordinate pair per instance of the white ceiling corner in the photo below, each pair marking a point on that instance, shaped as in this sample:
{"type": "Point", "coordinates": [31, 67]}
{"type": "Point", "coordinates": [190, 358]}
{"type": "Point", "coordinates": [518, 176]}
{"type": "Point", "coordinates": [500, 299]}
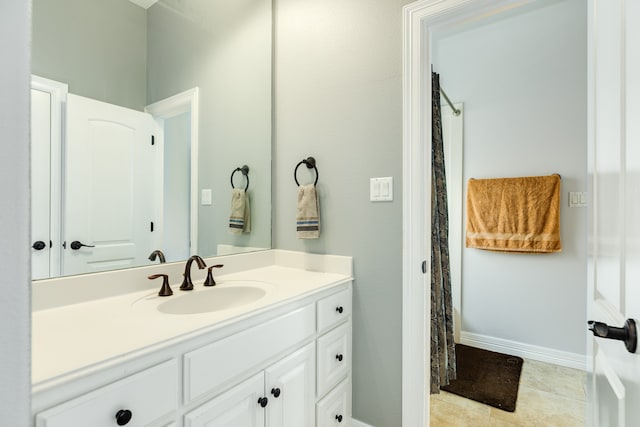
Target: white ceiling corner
{"type": "Point", "coordinates": [145, 4]}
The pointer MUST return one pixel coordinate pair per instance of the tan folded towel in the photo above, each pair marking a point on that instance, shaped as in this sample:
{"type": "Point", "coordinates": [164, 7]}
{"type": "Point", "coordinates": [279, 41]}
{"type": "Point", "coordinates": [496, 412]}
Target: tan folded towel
{"type": "Point", "coordinates": [240, 216]}
{"type": "Point", "coordinates": [514, 214]}
{"type": "Point", "coordinates": [308, 216]}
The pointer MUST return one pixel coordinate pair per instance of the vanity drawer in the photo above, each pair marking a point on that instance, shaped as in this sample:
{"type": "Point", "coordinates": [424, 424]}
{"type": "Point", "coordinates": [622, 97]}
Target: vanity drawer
{"type": "Point", "coordinates": [334, 357]}
{"type": "Point", "coordinates": [333, 410]}
{"type": "Point", "coordinates": [230, 359]}
{"type": "Point", "coordinates": [148, 395]}
{"type": "Point", "coordinates": [334, 309]}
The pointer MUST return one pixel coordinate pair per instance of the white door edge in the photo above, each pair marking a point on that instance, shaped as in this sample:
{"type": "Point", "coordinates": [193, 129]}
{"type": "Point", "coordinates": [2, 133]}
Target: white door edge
{"type": "Point", "coordinates": [185, 102]}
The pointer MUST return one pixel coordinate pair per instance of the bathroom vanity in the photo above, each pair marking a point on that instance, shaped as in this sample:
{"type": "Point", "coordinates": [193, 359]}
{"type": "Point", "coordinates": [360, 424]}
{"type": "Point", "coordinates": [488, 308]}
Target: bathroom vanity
{"type": "Point", "coordinates": [269, 345]}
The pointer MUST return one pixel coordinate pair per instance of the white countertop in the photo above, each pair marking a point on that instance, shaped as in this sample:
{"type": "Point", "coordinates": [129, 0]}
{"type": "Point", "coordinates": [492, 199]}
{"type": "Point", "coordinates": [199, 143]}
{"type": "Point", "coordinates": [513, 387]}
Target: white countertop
{"type": "Point", "coordinates": [70, 338]}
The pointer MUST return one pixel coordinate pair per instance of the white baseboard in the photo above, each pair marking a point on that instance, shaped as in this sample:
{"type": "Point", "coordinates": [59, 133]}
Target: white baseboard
{"type": "Point", "coordinates": [356, 423]}
{"type": "Point", "coordinates": [526, 351]}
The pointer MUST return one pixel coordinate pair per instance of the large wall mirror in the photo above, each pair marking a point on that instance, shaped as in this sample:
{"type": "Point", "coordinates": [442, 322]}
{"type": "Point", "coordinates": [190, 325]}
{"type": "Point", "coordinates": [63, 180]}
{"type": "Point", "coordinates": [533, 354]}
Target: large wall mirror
{"type": "Point", "coordinates": [144, 114]}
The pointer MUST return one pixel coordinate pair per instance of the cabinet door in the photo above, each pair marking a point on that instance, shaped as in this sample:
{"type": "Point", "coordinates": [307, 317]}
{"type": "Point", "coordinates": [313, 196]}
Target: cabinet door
{"type": "Point", "coordinates": [290, 387]}
{"type": "Point", "coordinates": [237, 407]}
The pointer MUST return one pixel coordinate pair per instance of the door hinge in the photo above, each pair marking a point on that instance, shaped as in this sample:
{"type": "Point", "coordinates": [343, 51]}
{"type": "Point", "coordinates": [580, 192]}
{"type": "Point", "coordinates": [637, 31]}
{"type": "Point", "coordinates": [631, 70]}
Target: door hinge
{"type": "Point", "coordinates": [424, 267]}
{"type": "Point", "coordinates": [151, 226]}
{"type": "Point", "coordinates": [153, 140]}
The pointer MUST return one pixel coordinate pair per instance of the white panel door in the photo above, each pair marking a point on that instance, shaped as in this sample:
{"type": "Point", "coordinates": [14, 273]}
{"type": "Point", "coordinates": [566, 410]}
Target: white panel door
{"type": "Point", "coordinates": [290, 387]}
{"type": "Point", "coordinates": [614, 167]}
{"type": "Point", "coordinates": [40, 183]}
{"type": "Point", "coordinates": [109, 187]}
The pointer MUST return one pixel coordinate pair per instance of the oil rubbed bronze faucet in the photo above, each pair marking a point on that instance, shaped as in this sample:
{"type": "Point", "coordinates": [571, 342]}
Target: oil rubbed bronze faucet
{"type": "Point", "coordinates": [157, 254]}
{"type": "Point", "coordinates": [210, 281]}
{"type": "Point", "coordinates": [187, 285]}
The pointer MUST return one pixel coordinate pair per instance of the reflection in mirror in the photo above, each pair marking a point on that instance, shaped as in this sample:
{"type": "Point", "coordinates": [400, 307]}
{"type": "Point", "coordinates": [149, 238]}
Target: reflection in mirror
{"type": "Point", "coordinates": [122, 199]}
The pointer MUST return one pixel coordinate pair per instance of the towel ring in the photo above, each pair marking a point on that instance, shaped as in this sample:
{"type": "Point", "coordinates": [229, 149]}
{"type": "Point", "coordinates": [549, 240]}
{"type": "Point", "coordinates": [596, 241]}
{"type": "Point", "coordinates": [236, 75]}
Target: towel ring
{"type": "Point", "coordinates": [310, 163]}
{"type": "Point", "coordinates": [245, 171]}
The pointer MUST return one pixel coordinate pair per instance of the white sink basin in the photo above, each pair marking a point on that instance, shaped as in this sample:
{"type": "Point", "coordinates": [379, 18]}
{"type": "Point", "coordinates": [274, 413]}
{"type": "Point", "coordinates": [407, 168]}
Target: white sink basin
{"type": "Point", "coordinates": [211, 299]}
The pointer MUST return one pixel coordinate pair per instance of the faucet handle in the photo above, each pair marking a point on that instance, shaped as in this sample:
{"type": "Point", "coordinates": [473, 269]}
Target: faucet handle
{"type": "Point", "coordinates": [210, 281]}
{"type": "Point", "coordinates": [165, 290]}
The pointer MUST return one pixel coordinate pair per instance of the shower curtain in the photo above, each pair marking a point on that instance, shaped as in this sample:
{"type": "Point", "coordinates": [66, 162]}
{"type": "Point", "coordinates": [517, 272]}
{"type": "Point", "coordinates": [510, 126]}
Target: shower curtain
{"type": "Point", "coordinates": [443, 357]}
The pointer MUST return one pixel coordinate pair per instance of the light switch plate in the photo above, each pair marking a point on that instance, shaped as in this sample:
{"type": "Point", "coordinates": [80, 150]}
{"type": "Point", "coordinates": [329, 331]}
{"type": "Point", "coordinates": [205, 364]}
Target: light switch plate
{"type": "Point", "coordinates": [577, 199]}
{"type": "Point", "coordinates": [205, 197]}
{"type": "Point", "coordinates": [381, 189]}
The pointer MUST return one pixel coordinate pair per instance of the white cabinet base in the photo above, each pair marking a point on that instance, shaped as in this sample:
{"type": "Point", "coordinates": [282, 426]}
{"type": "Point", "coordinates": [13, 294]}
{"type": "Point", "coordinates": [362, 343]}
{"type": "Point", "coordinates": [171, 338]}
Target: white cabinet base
{"type": "Point", "coordinates": [289, 367]}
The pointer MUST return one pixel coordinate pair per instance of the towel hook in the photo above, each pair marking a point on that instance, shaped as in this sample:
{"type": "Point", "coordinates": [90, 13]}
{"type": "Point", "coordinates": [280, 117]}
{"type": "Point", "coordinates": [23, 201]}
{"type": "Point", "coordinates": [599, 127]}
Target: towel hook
{"type": "Point", "coordinates": [245, 171]}
{"type": "Point", "coordinates": [310, 163]}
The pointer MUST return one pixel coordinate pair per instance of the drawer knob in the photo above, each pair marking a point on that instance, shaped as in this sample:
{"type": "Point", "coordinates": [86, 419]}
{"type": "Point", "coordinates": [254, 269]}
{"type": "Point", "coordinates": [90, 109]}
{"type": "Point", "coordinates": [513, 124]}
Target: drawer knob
{"type": "Point", "coordinates": [339, 309]}
{"type": "Point", "coordinates": [275, 392]}
{"type": "Point", "coordinates": [339, 418]}
{"type": "Point", "coordinates": [339, 357]}
{"type": "Point", "coordinates": [123, 416]}
{"type": "Point", "coordinates": [263, 401]}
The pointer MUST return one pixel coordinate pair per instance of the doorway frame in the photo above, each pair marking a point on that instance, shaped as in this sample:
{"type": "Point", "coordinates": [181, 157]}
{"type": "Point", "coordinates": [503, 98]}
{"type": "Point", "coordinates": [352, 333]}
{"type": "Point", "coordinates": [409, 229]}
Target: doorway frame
{"type": "Point", "coordinates": [185, 102]}
{"type": "Point", "coordinates": [420, 20]}
{"type": "Point", "coordinates": [58, 92]}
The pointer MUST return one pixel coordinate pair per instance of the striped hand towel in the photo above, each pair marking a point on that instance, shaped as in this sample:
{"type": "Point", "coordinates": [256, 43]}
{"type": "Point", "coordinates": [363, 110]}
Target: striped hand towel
{"type": "Point", "coordinates": [240, 217]}
{"type": "Point", "coordinates": [308, 216]}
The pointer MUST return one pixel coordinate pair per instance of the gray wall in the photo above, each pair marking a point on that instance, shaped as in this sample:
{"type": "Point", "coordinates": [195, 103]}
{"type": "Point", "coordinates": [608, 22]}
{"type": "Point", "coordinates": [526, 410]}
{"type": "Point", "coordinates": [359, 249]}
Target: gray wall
{"type": "Point", "coordinates": [97, 47]}
{"type": "Point", "coordinates": [523, 83]}
{"type": "Point", "coordinates": [339, 98]}
{"type": "Point", "coordinates": [225, 49]}
{"type": "Point", "coordinates": [15, 357]}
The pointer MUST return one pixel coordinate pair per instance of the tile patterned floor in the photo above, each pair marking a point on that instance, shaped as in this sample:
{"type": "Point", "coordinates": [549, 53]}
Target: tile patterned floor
{"type": "Point", "coordinates": [549, 396]}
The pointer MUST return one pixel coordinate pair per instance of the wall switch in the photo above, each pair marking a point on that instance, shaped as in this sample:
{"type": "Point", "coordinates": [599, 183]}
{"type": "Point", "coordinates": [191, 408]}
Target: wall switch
{"type": "Point", "coordinates": [381, 189]}
{"type": "Point", "coordinates": [577, 199]}
{"type": "Point", "coordinates": [205, 197]}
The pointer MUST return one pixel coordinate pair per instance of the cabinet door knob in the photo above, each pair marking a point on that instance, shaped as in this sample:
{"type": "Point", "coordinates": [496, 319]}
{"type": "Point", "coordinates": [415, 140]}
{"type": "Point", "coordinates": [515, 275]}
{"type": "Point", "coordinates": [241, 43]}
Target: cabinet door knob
{"type": "Point", "coordinates": [123, 416]}
{"type": "Point", "coordinates": [263, 401]}
{"type": "Point", "coordinates": [275, 392]}
{"type": "Point", "coordinates": [339, 357]}
{"type": "Point", "coordinates": [339, 418]}
{"type": "Point", "coordinates": [339, 309]}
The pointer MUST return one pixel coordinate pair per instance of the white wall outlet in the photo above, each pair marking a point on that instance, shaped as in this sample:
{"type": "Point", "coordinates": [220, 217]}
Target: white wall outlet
{"type": "Point", "coordinates": [381, 189]}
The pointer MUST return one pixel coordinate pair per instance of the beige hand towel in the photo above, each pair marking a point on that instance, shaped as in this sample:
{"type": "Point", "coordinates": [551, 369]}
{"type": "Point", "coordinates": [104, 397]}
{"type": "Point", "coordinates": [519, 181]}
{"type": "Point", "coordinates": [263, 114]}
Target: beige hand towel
{"type": "Point", "coordinates": [240, 217]}
{"type": "Point", "coordinates": [308, 216]}
{"type": "Point", "coordinates": [514, 214]}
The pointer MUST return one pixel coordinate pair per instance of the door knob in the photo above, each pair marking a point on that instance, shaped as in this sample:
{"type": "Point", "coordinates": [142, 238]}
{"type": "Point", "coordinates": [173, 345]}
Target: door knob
{"type": "Point", "coordinates": [75, 245]}
{"type": "Point", "coordinates": [628, 333]}
{"type": "Point", "coordinates": [39, 245]}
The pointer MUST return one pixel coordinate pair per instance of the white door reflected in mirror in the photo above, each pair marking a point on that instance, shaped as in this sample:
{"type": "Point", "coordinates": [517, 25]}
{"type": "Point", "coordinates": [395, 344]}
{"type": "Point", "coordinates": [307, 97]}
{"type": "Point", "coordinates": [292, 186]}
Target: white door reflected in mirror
{"type": "Point", "coordinates": [110, 202]}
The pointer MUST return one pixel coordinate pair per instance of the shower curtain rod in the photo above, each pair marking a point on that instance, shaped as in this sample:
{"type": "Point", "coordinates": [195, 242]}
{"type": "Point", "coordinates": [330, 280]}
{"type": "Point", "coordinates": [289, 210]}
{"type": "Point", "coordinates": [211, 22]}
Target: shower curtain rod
{"type": "Point", "coordinates": [456, 112]}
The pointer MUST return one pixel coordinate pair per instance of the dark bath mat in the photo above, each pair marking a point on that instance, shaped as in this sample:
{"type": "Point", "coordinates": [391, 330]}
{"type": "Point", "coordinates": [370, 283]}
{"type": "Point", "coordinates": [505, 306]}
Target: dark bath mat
{"type": "Point", "coordinates": [486, 377]}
